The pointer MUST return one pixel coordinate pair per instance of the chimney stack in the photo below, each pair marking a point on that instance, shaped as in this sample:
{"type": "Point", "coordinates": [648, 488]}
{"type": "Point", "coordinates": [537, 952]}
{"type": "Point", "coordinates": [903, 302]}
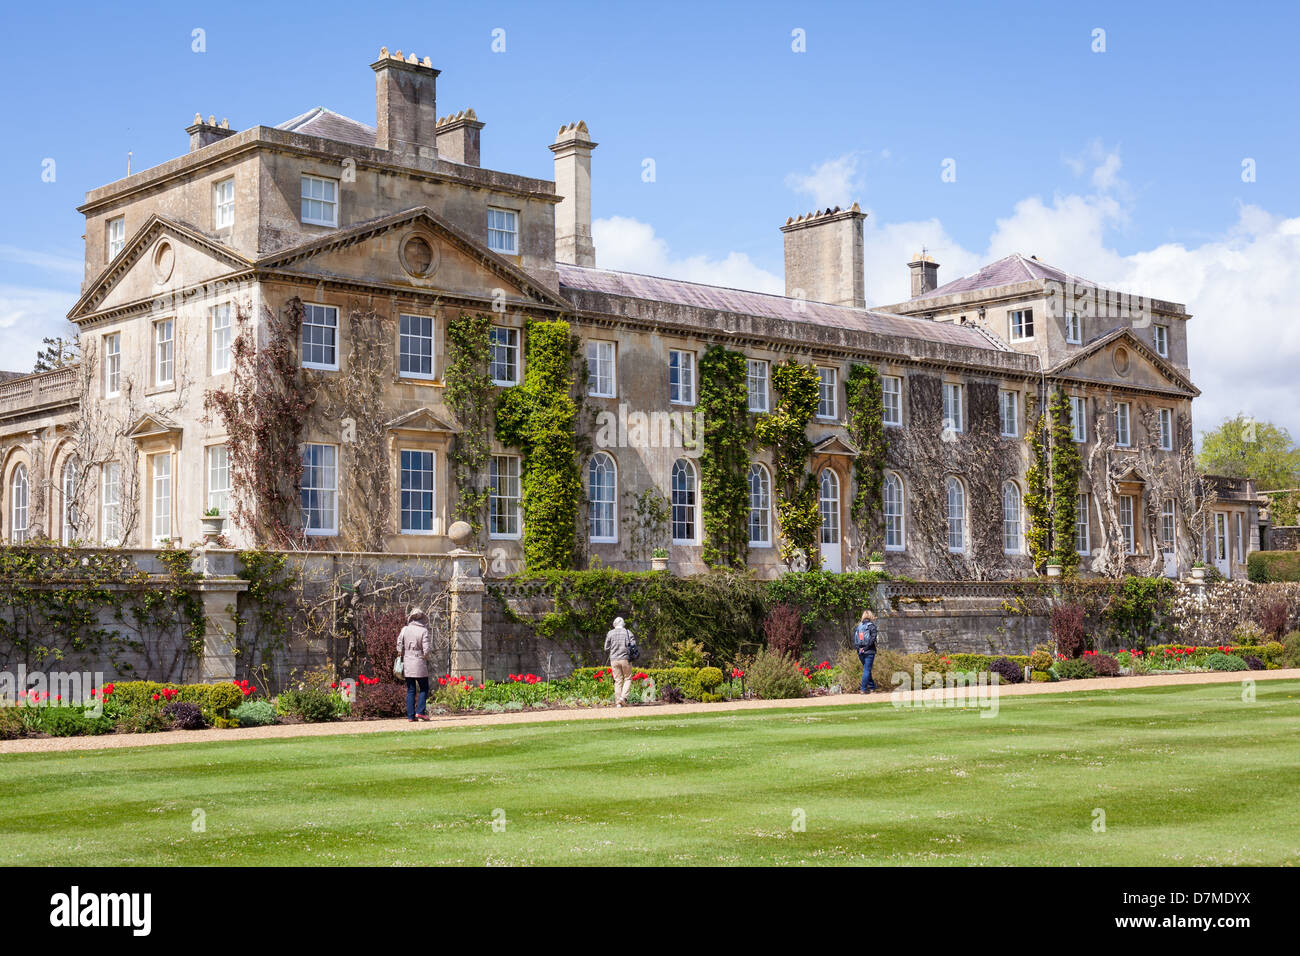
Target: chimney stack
{"type": "Point", "coordinates": [925, 274]}
{"type": "Point", "coordinates": [406, 108]}
{"type": "Point", "coordinates": [823, 257]}
{"type": "Point", "coordinates": [572, 149]}
{"type": "Point", "coordinates": [204, 134]}
{"type": "Point", "coordinates": [458, 138]}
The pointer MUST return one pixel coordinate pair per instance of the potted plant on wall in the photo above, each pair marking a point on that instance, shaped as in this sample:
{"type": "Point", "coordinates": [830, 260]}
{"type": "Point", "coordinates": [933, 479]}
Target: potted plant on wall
{"type": "Point", "coordinates": [876, 562]}
{"type": "Point", "coordinates": [212, 523]}
{"type": "Point", "coordinates": [1198, 570]}
{"type": "Point", "coordinates": [1053, 569]}
{"type": "Point", "coordinates": [659, 560]}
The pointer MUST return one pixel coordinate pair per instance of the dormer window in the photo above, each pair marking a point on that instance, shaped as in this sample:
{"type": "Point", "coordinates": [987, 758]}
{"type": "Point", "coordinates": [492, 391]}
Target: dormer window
{"type": "Point", "coordinates": [1073, 328]}
{"type": "Point", "coordinates": [116, 235]}
{"type": "Point", "coordinates": [1021, 322]}
{"type": "Point", "coordinates": [503, 231]}
{"type": "Point", "coordinates": [1161, 333]}
{"type": "Point", "coordinates": [223, 204]}
{"type": "Point", "coordinates": [320, 201]}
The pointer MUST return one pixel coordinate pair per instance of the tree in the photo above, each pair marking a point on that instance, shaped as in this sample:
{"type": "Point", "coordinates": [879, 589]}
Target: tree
{"type": "Point", "coordinates": [58, 352]}
{"type": "Point", "coordinates": [1245, 448]}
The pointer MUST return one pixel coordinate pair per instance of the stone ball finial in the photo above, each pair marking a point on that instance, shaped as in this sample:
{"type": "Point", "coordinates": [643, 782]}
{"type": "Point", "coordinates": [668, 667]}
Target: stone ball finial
{"type": "Point", "coordinates": [383, 52]}
{"type": "Point", "coordinates": [198, 119]}
{"type": "Point", "coordinates": [460, 532]}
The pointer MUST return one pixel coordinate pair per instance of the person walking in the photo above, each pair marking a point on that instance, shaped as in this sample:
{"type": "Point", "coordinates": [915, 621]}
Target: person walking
{"type": "Point", "coordinates": [865, 637]}
{"type": "Point", "coordinates": [413, 644]}
{"type": "Point", "coordinates": [618, 645]}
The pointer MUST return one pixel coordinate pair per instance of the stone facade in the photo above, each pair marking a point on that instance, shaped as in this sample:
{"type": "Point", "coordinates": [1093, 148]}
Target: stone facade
{"type": "Point", "coordinates": [400, 221]}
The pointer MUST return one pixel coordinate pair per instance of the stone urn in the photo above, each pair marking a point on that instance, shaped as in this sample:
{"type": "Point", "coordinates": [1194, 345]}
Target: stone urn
{"type": "Point", "coordinates": [659, 563]}
{"type": "Point", "coordinates": [212, 526]}
{"type": "Point", "coordinates": [1053, 570]}
{"type": "Point", "coordinates": [1198, 574]}
{"type": "Point", "coordinates": [876, 566]}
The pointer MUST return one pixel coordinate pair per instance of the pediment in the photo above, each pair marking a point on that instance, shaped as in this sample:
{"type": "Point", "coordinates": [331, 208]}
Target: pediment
{"type": "Point", "coordinates": [835, 445]}
{"type": "Point", "coordinates": [149, 425]}
{"type": "Point", "coordinates": [413, 249]}
{"type": "Point", "coordinates": [1121, 359]}
{"type": "Point", "coordinates": [421, 420]}
{"type": "Point", "coordinates": [162, 257]}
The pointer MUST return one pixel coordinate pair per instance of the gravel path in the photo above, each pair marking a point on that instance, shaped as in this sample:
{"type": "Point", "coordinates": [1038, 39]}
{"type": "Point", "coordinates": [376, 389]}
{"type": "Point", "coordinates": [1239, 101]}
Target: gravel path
{"type": "Point", "coordinates": [115, 741]}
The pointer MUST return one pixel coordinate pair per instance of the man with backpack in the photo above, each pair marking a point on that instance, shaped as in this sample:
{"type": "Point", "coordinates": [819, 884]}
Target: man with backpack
{"type": "Point", "coordinates": [864, 642]}
{"type": "Point", "coordinates": [622, 649]}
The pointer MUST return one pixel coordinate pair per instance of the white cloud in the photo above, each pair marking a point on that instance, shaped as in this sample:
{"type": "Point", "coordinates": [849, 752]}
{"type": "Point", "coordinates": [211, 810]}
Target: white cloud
{"type": "Point", "coordinates": [831, 183]}
{"type": "Point", "coordinates": [28, 315]}
{"type": "Point", "coordinates": [632, 246]}
{"type": "Point", "coordinates": [42, 260]}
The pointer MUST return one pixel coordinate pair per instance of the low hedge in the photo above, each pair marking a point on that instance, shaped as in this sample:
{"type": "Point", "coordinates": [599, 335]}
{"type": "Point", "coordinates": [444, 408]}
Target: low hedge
{"type": "Point", "coordinates": [1265, 567]}
{"type": "Point", "coordinates": [983, 662]}
{"type": "Point", "coordinates": [215, 701]}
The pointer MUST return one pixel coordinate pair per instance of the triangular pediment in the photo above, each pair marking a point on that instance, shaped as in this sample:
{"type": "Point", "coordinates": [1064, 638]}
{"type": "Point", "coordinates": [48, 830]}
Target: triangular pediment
{"type": "Point", "coordinates": [149, 425]}
{"type": "Point", "coordinates": [421, 420]}
{"type": "Point", "coordinates": [163, 256]}
{"type": "Point", "coordinates": [412, 249]}
{"type": "Point", "coordinates": [835, 445]}
{"type": "Point", "coordinates": [1121, 359]}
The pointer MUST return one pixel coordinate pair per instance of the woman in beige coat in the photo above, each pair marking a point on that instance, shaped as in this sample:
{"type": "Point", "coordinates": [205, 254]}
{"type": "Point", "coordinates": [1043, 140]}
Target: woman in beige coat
{"type": "Point", "coordinates": [413, 645]}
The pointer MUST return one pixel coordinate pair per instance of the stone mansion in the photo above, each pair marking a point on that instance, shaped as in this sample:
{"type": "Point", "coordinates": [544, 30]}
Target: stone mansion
{"type": "Point", "coordinates": [340, 218]}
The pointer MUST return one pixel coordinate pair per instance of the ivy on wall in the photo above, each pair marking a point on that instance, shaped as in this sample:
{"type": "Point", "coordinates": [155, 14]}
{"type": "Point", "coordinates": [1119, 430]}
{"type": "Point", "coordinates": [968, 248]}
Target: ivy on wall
{"type": "Point", "coordinates": [724, 458]}
{"type": "Point", "coordinates": [866, 413]}
{"type": "Point", "coordinates": [784, 430]}
{"type": "Point", "coordinates": [469, 391]}
{"type": "Point", "coordinates": [540, 417]}
{"type": "Point", "coordinates": [1067, 466]}
{"type": "Point", "coordinates": [646, 515]}
{"type": "Point", "coordinates": [1038, 524]}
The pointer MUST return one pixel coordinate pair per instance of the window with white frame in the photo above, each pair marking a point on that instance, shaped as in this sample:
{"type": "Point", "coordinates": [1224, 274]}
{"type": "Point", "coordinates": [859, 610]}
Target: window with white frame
{"type": "Point", "coordinates": [1168, 524]}
{"type": "Point", "coordinates": [164, 351]}
{"type": "Point", "coordinates": [417, 491]}
{"type": "Point", "coordinates": [1081, 542]}
{"type": "Point", "coordinates": [827, 393]}
{"type": "Point", "coordinates": [415, 346]}
{"type": "Point", "coordinates": [1011, 518]}
{"type": "Point", "coordinates": [891, 398]}
{"type": "Point", "coordinates": [71, 487]}
{"type": "Point", "coordinates": [1079, 418]}
{"type": "Point", "coordinates": [828, 503]}
{"type": "Point", "coordinates": [320, 201]}
{"type": "Point", "coordinates": [116, 235]}
{"type": "Point", "coordinates": [1122, 436]}
{"type": "Point", "coordinates": [223, 204]}
{"type": "Point", "coordinates": [895, 539]}
{"type": "Point", "coordinates": [319, 488]}
{"type": "Point", "coordinates": [1021, 322]}
{"type": "Point", "coordinates": [221, 337]}
{"type": "Point", "coordinates": [1126, 523]}
{"type": "Point", "coordinates": [956, 515]}
{"type": "Point", "coordinates": [219, 478]}
{"type": "Point", "coordinates": [756, 377]}
{"type": "Point", "coordinates": [600, 369]}
{"type": "Point", "coordinates": [19, 505]}
{"type": "Point", "coordinates": [503, 231]}
{"type": "Point", "coordinates": [1165, 423]}
{"type": "Point", "coordinates": [504, 343]}
{"type": "Point", "coordinates": [602, 498]}
{"type": "Point", "coordinates": [681, 377]}
{"type": "Point", "coordinates": [113, 365]}
{"type": "Point", "coordinates": [760, 507]}
{"type": "Point", "coordinates": [503, 497]}
{"type": "Point", "coordinates": [1010, 408]}
{"type": "Point", "coordinates": [952, 407]}
{"type": "Point", "coordinates": [1073, 328]}
{"type": "Point", "coordinates": [110, 503]}
{"type": "Point", "coordinates": [1241, 537]}
{"type": "Point", "coordinates": [1161, 333]}
{"type": "Point", "coordinates": [320, 336]}
{"type": "Point", "coordinates": [684, 502]}
{"type": "Point", "coordinates": [160, 466]}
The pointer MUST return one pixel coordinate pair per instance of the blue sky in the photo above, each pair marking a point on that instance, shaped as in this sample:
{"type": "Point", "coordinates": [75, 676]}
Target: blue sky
{"type": "Point", "coordinates": [1123, 165]}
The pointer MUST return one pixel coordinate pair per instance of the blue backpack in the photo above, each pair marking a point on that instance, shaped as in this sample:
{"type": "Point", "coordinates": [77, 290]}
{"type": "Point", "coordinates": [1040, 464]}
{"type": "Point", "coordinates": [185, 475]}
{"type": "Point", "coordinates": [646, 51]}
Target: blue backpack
{"type": "Point", "coordinates": [864, 636]}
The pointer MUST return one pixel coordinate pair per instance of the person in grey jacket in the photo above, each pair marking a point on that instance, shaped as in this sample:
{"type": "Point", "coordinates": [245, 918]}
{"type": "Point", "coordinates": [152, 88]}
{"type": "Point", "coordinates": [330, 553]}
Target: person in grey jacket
{"type": "Point", "coordinates": [413, 644]}
{"type": "Point", "coordinates": [617, 644]}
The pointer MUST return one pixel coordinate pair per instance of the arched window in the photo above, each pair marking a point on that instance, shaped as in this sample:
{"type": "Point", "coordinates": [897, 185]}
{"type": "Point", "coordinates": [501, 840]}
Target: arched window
{"type": "Point", "coordinates": [760, 507]}
{"type": "Point", "coordinates": [895, 539]}
{"type": "Point", "coordinates": [602, 493]}
{"type": "Point", "coordinates": [956, 516]}
{"type": "Point", "coordinates": [684, 500]}
{"type": "Point", "coordinates": [71, 485]}
{"type": "Point", "coordinates": [18, 505]}
{"type": "Point", "coordinates": [1011, 519]}
{"type": "Point", "coordinates": [829, 505]}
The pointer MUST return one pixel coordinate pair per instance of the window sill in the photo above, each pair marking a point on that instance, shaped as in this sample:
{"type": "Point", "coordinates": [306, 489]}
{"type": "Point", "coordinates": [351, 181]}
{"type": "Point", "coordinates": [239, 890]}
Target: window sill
{"type": "Point", "coordinates": [160, 389]}
{"type": "Point", "coordinates": [504, 537]}
{"type": "Point", "coordinates": [319, 368]}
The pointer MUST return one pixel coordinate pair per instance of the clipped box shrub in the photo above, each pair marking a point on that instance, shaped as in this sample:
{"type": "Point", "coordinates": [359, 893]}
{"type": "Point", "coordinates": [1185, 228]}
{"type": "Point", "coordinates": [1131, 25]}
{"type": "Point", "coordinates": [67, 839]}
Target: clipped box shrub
{"type": "Point", "coordinates": [1265, 567]}
{"type": "Point", "coordinates": [11, 723]}
{"type": "Point", "coordinates": [311, 705]}
{"type": "Point", "coordinates": [254, 713]}
{"type": "Point", "coordinates": [1041, 658]}
{"type": "Point", "coordinates": [1042, 677]}
{"type": "Point", "coordinates": [1077, 668]}
{"type": "Point", "coordinates": [70, 722]}
{"type": "Point", "coordinates": [1219, 661]}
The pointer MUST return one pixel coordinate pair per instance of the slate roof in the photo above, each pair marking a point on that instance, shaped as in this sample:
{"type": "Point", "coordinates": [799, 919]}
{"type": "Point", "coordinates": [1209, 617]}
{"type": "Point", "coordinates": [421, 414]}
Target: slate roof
{"type": "Point", "coordinates": [6, 376]}
{"type": "Point", "coordinates": [719, 298]}
{"type": "Point", "coordinates": [1006, 271]}
{"type": "Point", "coordinates": [330, 125]}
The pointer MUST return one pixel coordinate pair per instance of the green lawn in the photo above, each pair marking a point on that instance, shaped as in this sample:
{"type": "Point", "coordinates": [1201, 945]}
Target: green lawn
{"type": "Point", "coordinates": [1188, 775]}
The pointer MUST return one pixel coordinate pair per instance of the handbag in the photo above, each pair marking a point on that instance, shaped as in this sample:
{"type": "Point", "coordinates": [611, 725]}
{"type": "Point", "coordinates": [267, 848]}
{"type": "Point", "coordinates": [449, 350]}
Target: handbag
{"type": "Point", "coordinates": [397, 666]}
{"type": "Point", "coordinates": [633, 650]}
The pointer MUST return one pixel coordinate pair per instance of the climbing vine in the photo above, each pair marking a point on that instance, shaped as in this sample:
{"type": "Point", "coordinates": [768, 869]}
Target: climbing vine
{"type": "Point", "coordinates": [1066, 469]}
{"type": "Point", "coordinates": [724, 459]}
{"type": "Point", "coordinates": [468, 394]}
{"type": "Point", "coordinates": [866, 428]}
{"type": "Point", "coordinates": [1038, 524]}
{"type": "Point", "coordinates": [540, 418]}
{"type": "Point", "coordinates": [784, 430]}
